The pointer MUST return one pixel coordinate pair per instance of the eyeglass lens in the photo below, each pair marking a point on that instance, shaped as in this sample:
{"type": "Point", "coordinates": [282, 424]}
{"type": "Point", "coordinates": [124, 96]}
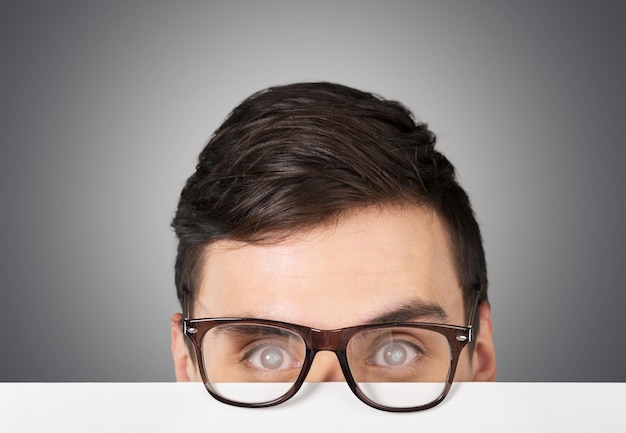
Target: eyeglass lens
{"type": "Point", "coordinates": [398, 367]}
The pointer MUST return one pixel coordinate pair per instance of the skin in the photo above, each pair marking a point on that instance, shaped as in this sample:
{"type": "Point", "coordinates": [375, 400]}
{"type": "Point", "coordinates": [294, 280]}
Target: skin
{"type": "Point", "coordinates": [367, 266]}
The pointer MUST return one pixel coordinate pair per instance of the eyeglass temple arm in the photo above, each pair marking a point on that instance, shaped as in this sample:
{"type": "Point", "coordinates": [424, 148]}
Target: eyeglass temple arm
{"type": "Point", "coordinates": [186, 312]}
{"type": "Point", "coordinates": [479, 293]}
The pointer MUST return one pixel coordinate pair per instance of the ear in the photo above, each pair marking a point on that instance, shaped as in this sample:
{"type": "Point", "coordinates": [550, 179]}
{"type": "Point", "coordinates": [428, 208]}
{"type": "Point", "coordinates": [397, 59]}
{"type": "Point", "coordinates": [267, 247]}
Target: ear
{"type": "Point", "coordinates": [484, 359]}
{"type": "Point", "coordinates": [182, 361]}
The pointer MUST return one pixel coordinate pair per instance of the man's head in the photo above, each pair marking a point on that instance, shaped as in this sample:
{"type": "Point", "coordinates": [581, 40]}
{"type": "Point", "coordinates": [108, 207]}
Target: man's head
{"type": "Point", "coordinates": [326, 206]}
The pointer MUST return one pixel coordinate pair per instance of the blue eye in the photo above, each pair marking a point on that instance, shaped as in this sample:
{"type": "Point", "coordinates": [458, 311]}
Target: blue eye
{"type": "Point", "coordinates": [271, 357]}
{"type": "Point", "coordinates": [395, 353]}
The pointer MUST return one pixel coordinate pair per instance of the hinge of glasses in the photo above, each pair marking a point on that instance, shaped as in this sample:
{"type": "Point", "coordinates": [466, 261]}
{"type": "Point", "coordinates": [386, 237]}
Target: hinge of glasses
{"type": "Point", "coordinates": [192, 330]}
{"type": "Point", "coordinates": [467, 337]}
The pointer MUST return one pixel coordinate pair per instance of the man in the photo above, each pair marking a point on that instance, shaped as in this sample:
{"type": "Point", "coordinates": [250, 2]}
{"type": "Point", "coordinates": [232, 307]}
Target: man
{"type": "Point", "coordinates": [322, 219]}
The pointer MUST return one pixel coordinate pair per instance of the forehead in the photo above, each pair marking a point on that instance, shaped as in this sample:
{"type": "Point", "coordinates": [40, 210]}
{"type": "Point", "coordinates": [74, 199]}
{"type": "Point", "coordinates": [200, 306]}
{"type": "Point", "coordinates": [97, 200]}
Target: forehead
{"type": "Point", "coordinates": [366, 264]}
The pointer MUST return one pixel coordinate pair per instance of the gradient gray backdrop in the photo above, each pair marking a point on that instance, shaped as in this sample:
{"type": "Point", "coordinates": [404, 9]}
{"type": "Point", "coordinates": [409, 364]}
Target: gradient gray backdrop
{"type": "Point", "coordinates": [105, 106]}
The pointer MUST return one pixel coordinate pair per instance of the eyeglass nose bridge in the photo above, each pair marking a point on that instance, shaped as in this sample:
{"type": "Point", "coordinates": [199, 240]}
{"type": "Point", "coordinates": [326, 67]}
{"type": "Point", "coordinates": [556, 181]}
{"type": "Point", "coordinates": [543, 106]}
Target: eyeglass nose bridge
{"type": "Point", "coordinates": [326, 340]}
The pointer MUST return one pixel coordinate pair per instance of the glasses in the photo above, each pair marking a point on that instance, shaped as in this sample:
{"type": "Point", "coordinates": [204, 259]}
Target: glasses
{"type": "Point", "coordinates": [397, 367]}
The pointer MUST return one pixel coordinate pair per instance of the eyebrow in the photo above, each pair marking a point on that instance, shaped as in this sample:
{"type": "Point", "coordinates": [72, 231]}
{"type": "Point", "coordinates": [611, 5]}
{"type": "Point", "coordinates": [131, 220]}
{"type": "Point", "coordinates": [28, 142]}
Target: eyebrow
{"type": "Point", "coordinates": [252, 330]}
{"type": "Point", "coordinates": [416, 309]}
{"type": "Point", "coordinates": [413, 310]}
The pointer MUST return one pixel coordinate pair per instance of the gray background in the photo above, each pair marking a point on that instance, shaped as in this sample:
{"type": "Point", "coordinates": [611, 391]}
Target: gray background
{"type": "Point", "coordinates": [105, 106]}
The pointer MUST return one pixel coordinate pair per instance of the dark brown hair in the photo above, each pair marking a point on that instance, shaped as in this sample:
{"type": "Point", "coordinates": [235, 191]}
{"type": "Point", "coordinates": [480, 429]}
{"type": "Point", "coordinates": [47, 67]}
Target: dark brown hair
{"type": "Point", "coordinates": [293, 157]}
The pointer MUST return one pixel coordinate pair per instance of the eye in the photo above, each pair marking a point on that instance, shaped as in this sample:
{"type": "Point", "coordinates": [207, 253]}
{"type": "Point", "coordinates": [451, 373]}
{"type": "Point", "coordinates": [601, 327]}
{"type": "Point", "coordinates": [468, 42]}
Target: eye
{"type": "Point", "coordinates": [394, 353]}
{"type": "Point", "coordinates": [271, 357]}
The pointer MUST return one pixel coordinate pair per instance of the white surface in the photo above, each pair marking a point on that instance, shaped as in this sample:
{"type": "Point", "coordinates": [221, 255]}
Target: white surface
{"type": "Point", "coordinates": [328, 407]}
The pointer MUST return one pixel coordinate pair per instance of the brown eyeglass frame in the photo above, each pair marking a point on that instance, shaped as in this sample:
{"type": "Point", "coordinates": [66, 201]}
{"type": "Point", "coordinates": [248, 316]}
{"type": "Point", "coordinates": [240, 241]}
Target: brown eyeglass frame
{"type": "Point", "coordinates": [335, 340]}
